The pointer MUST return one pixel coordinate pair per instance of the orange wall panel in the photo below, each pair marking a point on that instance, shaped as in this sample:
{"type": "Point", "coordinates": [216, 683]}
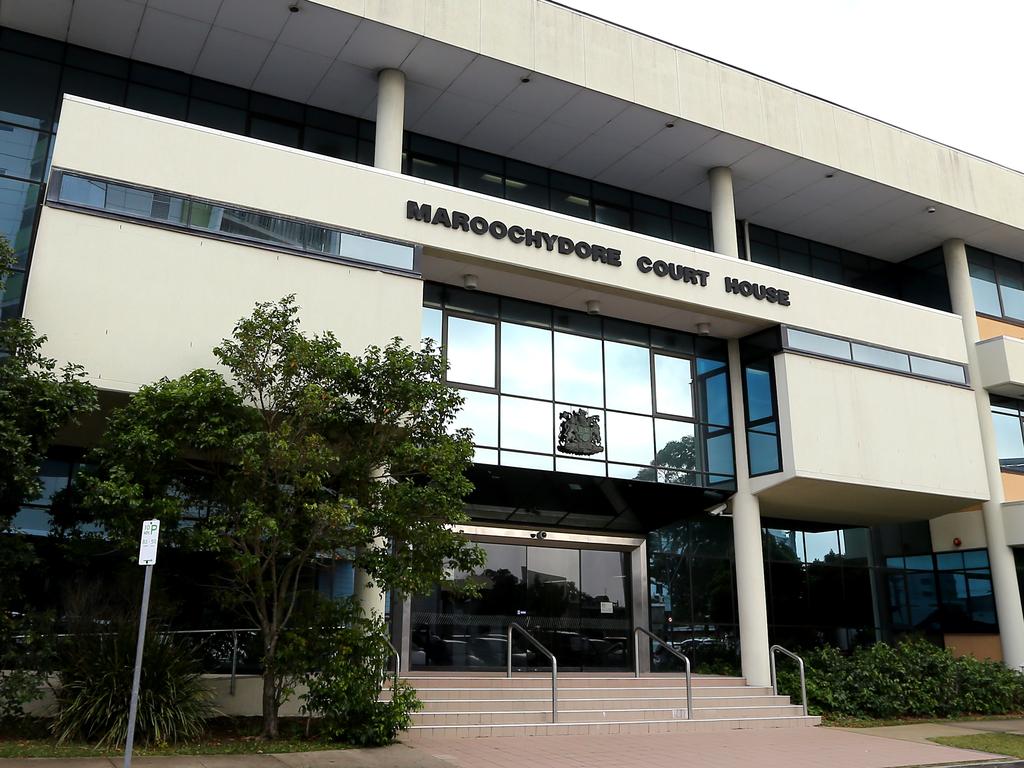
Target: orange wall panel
{"type": "Point", "coordinates": [991, 329]}
{"type": "Point", "coordinates": [1013, 486]}
{"type": "Point", "coordinates": [978, 646]}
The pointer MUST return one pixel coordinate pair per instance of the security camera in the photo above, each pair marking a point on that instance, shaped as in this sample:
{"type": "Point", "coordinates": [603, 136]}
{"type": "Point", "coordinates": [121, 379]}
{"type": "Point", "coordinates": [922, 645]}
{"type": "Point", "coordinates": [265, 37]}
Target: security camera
{"type": "Point", "coordinates": [718, 510]}
{"type": "Point", "coordinates": [542, 534]}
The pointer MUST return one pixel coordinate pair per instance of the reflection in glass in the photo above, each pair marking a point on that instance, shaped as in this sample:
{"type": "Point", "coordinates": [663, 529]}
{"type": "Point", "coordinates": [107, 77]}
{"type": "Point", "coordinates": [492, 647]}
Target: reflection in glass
{"type": "Point", "coordinates": [716, 399]}
{"type": "Point", "coordinates": [629, 438]}
{"type": "Point", "coordinates": [763, 450]}
{"type": "Point", "coordinates": [1009, 442]}
{"type": "Point", "coordinates": [674, 444]}
{"type": "Point", "coordinates": [986, 293]}
{"type": "Point", "coordinates": [480, 414]}
{"type": "Point", "coordinates": [818, 344]}
{"type": "Point", "coordinates": [525, 361]}
{"type": "Point", "coordinates": [821, 545]}
{"type": "Point", "coordinates": [719, 455]}
{"type": "Point", "coordinates": [580, 466]}
{"type": "Point", "coordinates": [937, 369]}
{"type": "Point", "coordinates": [526, 460]}
{"type": "Point", "coordinates": [627, 370]}
{"type": "Point", "coordinates": [471, 352]}
{"type": "Point", "coordinates": [430, 326]}
{"type": "Point", "coordinates": [526, 425]}
{"type": "Point", "coordinates": [578, 370]}
{"type": "Point", "coordinates": [673, 387]}
{"type": "Point", "coordinates": [883, 358]}
{"type": "Point", "coordinates": [485, 456]}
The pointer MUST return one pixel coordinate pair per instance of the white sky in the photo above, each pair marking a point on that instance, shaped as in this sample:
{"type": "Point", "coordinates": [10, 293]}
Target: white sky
{"type": "Point", "coordinates": [950, 70]}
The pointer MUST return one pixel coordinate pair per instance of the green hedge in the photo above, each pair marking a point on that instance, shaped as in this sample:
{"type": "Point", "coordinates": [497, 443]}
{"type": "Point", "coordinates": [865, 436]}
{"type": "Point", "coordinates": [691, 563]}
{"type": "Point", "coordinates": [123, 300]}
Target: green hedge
{"type": "Point", "coordinates": [914, 678]}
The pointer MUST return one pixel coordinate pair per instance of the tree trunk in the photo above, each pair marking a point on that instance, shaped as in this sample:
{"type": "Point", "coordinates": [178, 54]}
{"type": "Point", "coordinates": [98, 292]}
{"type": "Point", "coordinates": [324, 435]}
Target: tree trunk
{"type": "Point", "coordinates": [269, 704]}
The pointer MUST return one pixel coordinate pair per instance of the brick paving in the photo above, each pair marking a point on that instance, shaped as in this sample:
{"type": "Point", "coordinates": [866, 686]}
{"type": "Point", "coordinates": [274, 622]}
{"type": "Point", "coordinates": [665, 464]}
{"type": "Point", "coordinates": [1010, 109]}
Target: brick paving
{"type": "Point", "coordinates": [784, 747]}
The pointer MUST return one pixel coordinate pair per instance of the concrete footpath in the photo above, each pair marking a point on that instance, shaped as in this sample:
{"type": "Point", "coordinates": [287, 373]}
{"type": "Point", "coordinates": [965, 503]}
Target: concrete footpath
{"type": "Point", "coordinates": [783, 747]}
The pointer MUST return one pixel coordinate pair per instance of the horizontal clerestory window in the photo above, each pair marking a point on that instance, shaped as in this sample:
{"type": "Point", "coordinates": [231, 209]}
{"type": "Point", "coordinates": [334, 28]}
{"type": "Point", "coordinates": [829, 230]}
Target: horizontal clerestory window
{"type": "Point", "coordinates": [243, 225]}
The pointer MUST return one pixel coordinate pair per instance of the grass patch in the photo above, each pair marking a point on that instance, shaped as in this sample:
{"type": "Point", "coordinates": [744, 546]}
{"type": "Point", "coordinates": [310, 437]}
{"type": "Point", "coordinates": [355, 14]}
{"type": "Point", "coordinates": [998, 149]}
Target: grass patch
{"type": "Point", "coordinates": [845, 721]}
{"type": "Point", "coordinates": [224, 736]}
{"type": "Point", "coordinates": [998, 743]}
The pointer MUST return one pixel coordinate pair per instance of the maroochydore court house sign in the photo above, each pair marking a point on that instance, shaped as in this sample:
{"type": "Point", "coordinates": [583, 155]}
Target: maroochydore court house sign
{"type": "Point", "coordinates": [565, 246]}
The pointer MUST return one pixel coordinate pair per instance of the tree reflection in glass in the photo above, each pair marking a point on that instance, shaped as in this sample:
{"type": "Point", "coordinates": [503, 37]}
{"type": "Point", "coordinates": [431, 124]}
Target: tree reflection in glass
{"type": "Point", "coordinates": [578, 370]}
{"type": "Point", "coordinates": [673, 388]}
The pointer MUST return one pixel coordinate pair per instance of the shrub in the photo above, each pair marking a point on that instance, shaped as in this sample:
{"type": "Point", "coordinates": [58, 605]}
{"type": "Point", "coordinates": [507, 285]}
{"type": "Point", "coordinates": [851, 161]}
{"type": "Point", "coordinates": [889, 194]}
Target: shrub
{"type": "Point", "coordinates": [913, 678]}
{"type": "Point", "coordinates": [343, 664]}
{"type": "Point", "coordinates": [95, 687]}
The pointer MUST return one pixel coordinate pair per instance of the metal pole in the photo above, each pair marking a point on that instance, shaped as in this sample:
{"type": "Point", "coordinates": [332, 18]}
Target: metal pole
{"type": "Point", "coordinates": [509, 648]}
{"type": "Point", "coordinates": [133, 705]}
{"type": "Point", "coordinates": [554, 690]}
{"type": "Point", "coordinates": [234, 660]}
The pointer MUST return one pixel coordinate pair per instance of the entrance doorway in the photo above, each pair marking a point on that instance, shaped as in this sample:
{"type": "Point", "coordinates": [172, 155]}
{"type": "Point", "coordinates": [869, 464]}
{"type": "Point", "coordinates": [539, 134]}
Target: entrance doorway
{"type": "Point", "coordinates": [574, 600]}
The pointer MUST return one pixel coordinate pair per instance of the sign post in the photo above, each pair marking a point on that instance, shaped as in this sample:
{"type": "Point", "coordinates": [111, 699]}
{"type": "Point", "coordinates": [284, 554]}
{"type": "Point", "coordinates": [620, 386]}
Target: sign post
{"type": "Point", "coordinates": [147, 558]}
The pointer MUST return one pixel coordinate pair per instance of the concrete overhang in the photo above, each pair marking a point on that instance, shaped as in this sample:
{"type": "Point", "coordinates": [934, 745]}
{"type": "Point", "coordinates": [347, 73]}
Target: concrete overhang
{"type": "Point", "coordinates": [598, 103]}
{"type": "Point", "coordinates": [1013, 523]}
{"type": "Point", "coordinates": [812, 499]}
{"type": "Point", "coordinates": [1001, 365]}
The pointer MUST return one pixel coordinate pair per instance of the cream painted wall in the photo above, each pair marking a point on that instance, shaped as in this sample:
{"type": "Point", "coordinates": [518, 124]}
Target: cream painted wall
{"type": "Point", "coordinates": [166, 154]}
{"type": "Point", "coordinates": [1013, 523]}
{"type": "Point", "coordinates": [1001, 365]}
{"type": "Point", "coordinates": [845, 424]}
{"type": "Point", "coordinates": [133, 303]}
{"type": "Point", "coordinates": [568, 45]}
{"type": "Point", "coordinates": [968, 526]}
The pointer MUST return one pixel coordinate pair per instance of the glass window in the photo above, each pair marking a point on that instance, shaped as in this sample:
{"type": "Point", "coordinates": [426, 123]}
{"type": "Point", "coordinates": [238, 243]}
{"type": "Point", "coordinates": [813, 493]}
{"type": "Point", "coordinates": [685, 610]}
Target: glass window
{"type": "Point", "coordinates": [763, 451]}
{"type": "Point", "coordinates": [627, 371]}
{"type": "Point", "coordinates": [526, 461]}
{"type": "Point", "coordinates": [716, 399]}
{"type": "Point", "coordinates": [629, 438]}
{"type": "Point", "coordinates": [18, 205]}
{"type": "Point", "coordinates": [882, 358]}
{"type": "Point", "coordinates": [329, 143]}
{"type": "Point", "coordinates": [359, 248]}
{"type": "Point", "coordinates": [430, 326]}
{"type": "Point", "coordinates": [144, 204]}
{"type": "Point", "coordinates": [471, 351]}
{"type": "Point", "coordinates": [28, 90]}
{"type": "Point", "coordinates": [673, 381]}
{"type": "Point", "coordinates": [157, 101]}
{"type": "Point", "coordinates": [92, 85]}
{"type": "Point", "coordinates": [251, 225]}
{"type": "Point", "coordinates": [476, 179]}
{"type": "Point", "coordinates": [526, 425]}
{"type": "Point", "coordinates": [432, 170]}
{"type": "Point", "coordinates": [90, 192]}
{"type": "Point", "coordinates": [480, 414]}
{"type": "Point", "coordinates": [937, 369]}
{"type": "Point", "coordinates": [275, 131]}
{"type": "Point", "coordinates": [821, 345]}
{"type": "Point", "coordinates": [578, 369]}
{"type": "Point", "coordinates": [10, 295]}
{"type": "Point", "coordinates": [525, 361]}
{"type": "Point", "coordinates": [23, 152]}
{"type": "Point", "coordinates": [1009, 442]}
{"type": "Point", "coordinates": [570, 203]}
{"type": "Point", "coordinates": [612, 216]}
{"type": "Point", "coordinates": [822, 547]}
{"type": "Point", "coordinates": [719, 456]}
{"type": "Point", "coordinates": [674, 444]}
{"type": "Point", "coordinates": [760, 404]}
{"type": "Point", "coordinates": [986, 293]}
{"type": "Point", "coordinates": [215, 115]}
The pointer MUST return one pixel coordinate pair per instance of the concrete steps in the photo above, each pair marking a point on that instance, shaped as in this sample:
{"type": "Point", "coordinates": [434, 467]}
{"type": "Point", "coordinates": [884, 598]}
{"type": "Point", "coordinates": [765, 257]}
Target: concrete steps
{"type": "Point", "coordinates": [477, 705]}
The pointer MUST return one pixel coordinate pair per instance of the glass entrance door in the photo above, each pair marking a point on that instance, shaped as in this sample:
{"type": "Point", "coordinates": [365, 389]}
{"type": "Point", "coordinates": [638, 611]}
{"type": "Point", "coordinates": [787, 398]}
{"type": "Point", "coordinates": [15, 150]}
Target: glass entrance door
{"type": "Point", "coordinates": [574, 601]}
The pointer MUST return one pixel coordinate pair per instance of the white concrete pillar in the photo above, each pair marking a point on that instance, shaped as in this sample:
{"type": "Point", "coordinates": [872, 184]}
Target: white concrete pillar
{"type": "Point", "coordinates": [723, 212]}
{"type": "Point", "coordinates": [746, 532]}
{"type": "Point", "coordinates": [369, 595]}
{"type": "Point", "coordinates": [387, 149]}
{"type": "Point", "coordinates": [1000, 556]}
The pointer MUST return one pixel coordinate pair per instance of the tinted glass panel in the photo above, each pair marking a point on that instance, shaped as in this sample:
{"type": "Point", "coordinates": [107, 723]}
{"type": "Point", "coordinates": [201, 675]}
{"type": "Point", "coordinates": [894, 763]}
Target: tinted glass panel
{"type": "Point", "coordinates": [480, 414]}
{"type": "Point", "coordinates": [883, 358]}
{"type": "Point", "coordinates": [674, 444]}
{"type": "Point", "coordinates": [471, 350]}
{"type": "Point", "coordinates": [716, 399]}
{"type": "Point", "coordinates": [937, 369]}
{"type": "Point", "coordinates": [525, 361]}
{"type": "Point", "coordinates": [18, 205]}
{"type": "Point", "coordinates": [630, 439]}
{"type": "Point", "coordinates": [821, 345]}
{"type": "Point", "coordinates": [28, 90]}
{"type": "Point", "coordinates": [578, 370]}
{"type": "Point", "coordinates": [627, 371]}
{"type": "Point", "coordinates": [986, 293]}
{"type": "Point", "coordinates": [526, 425]}
{"type": "Point", "coordinates": [763, 451]}
{"type": "Point", "coordinates": [673, 385]}
{"type": "Point", "coordinates": [430, 326]}
{"type": "Point", "coordinates": [759, 394]}
{"type": "Point", "coordinates": [23, 152]}
{"type": "Point", "coordinates": [1009, 443]}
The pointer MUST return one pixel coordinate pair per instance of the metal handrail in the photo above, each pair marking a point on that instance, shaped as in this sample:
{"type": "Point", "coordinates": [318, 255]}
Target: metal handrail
{"type": "Point", "coordinates": [775, 681]}
{"type": "Point", "coordinates": [674, 652]}
{"type": "Point", "coordinates": [546, 652]}
{"type": "Point", "coordinates": [398, 659]}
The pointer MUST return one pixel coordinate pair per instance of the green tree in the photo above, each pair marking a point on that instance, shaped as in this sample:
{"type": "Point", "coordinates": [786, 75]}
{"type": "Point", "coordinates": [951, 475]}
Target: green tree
{"type": "Point", "coordinates": [37, 399]}
{"type": "Point", "coordinates": [296, 450]}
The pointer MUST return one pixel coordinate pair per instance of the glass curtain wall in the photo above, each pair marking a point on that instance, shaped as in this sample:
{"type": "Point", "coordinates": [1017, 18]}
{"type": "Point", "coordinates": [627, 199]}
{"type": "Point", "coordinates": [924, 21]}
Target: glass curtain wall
{"type": "Point", "coordinates": [552, 389]}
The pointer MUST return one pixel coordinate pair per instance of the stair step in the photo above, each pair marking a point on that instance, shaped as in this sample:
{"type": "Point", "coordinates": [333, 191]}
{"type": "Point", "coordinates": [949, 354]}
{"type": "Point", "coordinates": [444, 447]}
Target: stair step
{"type": "Point", "coordinates": [543, 703]}
{"type": "Point", "coordinates": [608, 727]}
{"type": "Point", "coordinates": [592, 692]}
{"type": "Point", "coordinates": [567, 681]}
{"type": "Point", "coordinates": [599, 715]}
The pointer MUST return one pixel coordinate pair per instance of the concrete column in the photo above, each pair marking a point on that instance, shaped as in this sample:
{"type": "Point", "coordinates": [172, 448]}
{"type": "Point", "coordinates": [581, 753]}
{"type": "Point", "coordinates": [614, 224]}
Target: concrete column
{"type": "Point", "coordinates": [746, 532]}
{"type": "Point", "coordinates": [1000, 556]}
{"type": "Point", "coordinates": [387, 150]}
{"type": "Point", "coordinates": [723, 212]}
{"type": "Point", "coordinates": [370, 596]}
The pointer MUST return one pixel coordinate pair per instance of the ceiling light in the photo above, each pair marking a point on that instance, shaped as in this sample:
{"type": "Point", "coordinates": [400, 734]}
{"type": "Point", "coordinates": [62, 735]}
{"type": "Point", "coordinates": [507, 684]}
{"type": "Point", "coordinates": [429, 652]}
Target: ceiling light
{"type": "Point", "coordinates": [524, 79]}
{"type": "Point", "coordinates": [593, 307]}
{"type": "Point", "coordinates": [294, 7]}
{"type": "Point", "coordinates": [469, 282]}
{"type": "Point", "coordinates": [930, 209]}
{"type": "Point", "coordinates": [829, 175]}
{"type": "Point", "coordinates": [670, 124]}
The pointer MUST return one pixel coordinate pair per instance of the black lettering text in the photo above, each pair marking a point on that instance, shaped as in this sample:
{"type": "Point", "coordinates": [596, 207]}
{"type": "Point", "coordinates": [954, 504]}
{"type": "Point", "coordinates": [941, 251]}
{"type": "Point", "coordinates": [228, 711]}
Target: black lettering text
{"type": "Point", "coordinates": [414, 210]}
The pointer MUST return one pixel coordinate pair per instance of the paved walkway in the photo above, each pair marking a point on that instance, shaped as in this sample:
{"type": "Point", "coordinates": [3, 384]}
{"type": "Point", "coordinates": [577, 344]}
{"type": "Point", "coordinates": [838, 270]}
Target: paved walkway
{"type": "Point", "coordinates": [784, 747]}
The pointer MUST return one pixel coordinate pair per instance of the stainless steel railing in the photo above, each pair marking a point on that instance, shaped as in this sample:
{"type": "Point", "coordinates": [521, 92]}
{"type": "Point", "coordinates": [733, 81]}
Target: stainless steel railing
{"type": "Point", "coordinates": [682, 657]}
{"type": "Point", "coordinates": [546, 652]}
{"type": "Point", "coordinates": [398, 659]}
{"type": "Point", "coordinates": [803, 678]}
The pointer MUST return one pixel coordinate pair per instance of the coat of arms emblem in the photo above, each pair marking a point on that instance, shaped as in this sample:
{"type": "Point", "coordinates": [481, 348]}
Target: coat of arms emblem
{"type": "Point", "coordinates": [579, 433]}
